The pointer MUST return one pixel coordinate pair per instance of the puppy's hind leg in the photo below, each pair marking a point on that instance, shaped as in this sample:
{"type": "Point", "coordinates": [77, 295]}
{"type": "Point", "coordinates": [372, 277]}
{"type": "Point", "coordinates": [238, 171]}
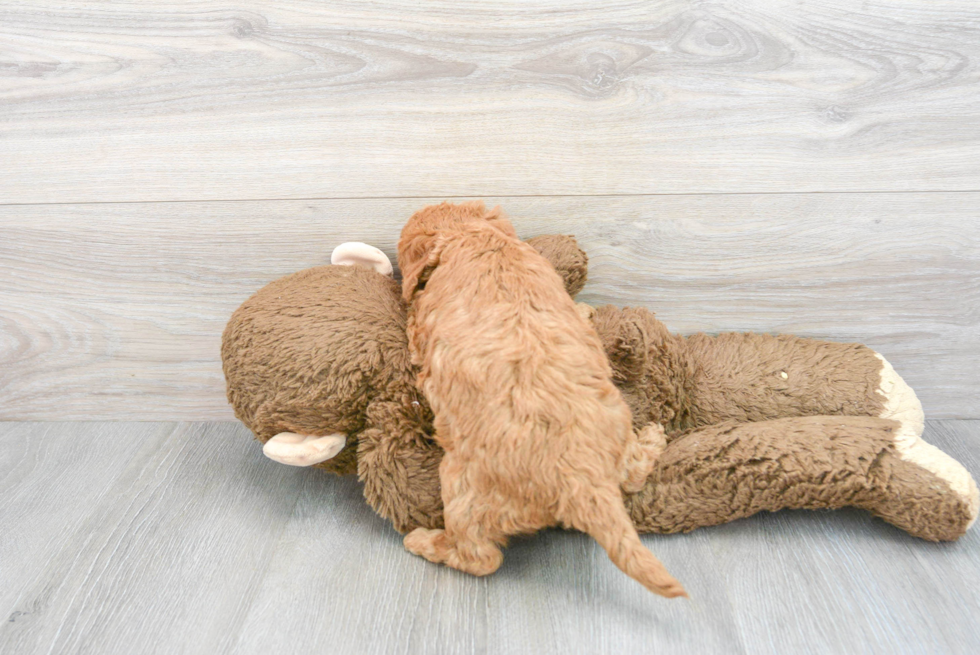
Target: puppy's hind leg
{"type": "Point", "coordinates": [465, 547]}
{"type": "Point", "coordinates": [470, 542]}
{"type": "Point", "coordinates": [428, 543]}
{"type": "Point", "coordinates": [641, 454]}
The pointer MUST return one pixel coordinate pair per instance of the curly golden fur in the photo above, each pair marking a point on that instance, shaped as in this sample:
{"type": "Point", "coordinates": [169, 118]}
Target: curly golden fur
{"type": "Point", "coordinates": [534, 431]}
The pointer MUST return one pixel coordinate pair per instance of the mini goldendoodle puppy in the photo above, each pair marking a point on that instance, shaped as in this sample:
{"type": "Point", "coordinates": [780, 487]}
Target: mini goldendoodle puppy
{"type": "Point", "coordinates": [535, 433]}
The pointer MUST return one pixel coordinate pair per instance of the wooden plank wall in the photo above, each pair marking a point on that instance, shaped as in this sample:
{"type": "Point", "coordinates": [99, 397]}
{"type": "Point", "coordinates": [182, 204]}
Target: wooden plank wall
{"type": "Point", "coordinates": [733, 166]}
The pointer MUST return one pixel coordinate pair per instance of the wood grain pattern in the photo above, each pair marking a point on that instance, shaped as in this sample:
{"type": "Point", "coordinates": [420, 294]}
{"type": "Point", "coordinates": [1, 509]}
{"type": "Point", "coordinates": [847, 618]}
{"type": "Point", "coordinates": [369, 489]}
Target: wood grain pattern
{"type": "Point", "coordinates": [169, 553]}
{"type": "Point", "coordinates": [53, 478]}
{"type": "Point", "coordinates": [116, 311]}
{"type": "Point", "coordinates": [192, 101]}
{"type": "Point", "coordinates": [183, 538]}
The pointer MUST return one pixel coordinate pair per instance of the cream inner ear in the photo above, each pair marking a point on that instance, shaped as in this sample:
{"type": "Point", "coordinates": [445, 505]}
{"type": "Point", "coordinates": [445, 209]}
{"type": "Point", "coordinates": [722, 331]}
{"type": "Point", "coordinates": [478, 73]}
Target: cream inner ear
{"type": "Point", "coordinates": [302, 449]}
{"type": "Point", "coordinates": [355, 253]}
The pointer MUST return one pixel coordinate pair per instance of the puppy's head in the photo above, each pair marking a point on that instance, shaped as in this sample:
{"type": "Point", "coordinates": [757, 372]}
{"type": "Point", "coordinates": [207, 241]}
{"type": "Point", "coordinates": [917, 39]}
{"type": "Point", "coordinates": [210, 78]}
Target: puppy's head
{"type": "Point", "coordinates": [427, 232]}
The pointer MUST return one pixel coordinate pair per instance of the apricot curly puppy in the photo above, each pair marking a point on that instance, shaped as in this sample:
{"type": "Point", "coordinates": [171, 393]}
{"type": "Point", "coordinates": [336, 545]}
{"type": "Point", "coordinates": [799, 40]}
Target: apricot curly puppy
{"type": "Point", "coordinates": [534, 431]}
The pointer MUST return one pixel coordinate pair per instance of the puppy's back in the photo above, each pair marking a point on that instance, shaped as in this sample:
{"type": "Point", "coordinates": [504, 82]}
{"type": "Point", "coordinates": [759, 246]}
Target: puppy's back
{"type": "Point", "coordinates": [504, 336]}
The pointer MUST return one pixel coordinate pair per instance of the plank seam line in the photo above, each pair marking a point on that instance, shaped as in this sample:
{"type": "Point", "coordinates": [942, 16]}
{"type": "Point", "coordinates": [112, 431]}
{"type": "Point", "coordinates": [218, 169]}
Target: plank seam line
{"type": "Point", "coordinates": [492, 195]}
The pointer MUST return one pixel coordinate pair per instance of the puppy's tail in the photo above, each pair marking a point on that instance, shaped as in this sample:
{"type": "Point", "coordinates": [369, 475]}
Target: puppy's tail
{"type": "Point", "coordinates": [602, 516]}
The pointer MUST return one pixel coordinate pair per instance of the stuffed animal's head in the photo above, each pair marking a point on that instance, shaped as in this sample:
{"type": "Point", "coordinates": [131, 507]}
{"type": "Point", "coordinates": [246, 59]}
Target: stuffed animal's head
{"type": "Point", "coordinates": [307, 355]}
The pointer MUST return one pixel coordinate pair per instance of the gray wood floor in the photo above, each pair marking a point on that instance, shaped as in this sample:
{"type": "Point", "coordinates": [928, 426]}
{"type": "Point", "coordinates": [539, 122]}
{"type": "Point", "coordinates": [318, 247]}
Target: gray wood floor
{"type": "Point", "coordinates": [181, 538]}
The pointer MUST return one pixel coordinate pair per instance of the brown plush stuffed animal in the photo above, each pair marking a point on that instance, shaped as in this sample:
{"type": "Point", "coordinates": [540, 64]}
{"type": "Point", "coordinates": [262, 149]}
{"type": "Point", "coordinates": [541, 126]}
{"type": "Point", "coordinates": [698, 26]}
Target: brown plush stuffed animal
{"type": "Point", "coordinates": [317, 366]}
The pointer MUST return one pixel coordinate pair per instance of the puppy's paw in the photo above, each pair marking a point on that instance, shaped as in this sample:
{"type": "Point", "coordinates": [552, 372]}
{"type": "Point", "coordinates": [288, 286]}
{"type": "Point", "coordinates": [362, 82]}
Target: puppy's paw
{"type": "Point", "coordinates": [642, 456]}
{"type": "Point", "coordinates": [585, 311]}
{"type": "Point", "coordinates": [430, 544]}
{"type": "Point", "coordinates": [653, 439]}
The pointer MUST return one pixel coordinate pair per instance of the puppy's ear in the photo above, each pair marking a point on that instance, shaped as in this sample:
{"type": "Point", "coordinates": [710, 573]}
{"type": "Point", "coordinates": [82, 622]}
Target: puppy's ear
{"type": "Point", "coordinates": [497, 219]}
{"type": "Point", "coordinates": [419, 267]}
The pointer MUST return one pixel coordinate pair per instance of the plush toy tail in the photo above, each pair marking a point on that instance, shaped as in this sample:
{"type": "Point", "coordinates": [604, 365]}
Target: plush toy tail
{"type": "Point", "coordinates": [603, 517]}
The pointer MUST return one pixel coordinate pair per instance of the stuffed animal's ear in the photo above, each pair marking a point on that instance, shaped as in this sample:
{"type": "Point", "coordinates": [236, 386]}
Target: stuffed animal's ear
{"type": "Point", "coordinates": [303, 450]}
{"type": "Point", "coordinates": [418, 265]}
{"type": "Point", "coordinates": [568, 259]}
{"type": "Point", "coordinates": [356, 253]}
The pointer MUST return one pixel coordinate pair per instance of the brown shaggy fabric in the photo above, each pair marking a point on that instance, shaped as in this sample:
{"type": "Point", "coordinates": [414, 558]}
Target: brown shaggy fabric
{"type": "Point", "coordinates": [687, 382]}
{"type": "Point", "coordinates": [324, 350]}
{"type": "Point", "coordinates": [733, 470]}
{"type": "Point", "coordinates": [312, 352]}
{"type": "Point", "coordinates": [566, 257]}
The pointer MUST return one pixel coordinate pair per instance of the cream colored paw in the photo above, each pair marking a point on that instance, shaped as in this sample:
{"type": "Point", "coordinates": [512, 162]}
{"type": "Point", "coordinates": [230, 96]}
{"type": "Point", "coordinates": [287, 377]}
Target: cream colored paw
{"type": "Point", "coordinates": [642, 456]}
{"type": "Point", "coordinates": [585, 311]}
{"type": "Point", "coordinates": [653, 436]}
{"type": "Point", "coordinates": [303, 450]}
{"type": "Point", "coordinates": [427, 543]}
{"type": "Point", "coordinates": [361, 254]}
{"type": "Point", "coordinates": [902, 405]}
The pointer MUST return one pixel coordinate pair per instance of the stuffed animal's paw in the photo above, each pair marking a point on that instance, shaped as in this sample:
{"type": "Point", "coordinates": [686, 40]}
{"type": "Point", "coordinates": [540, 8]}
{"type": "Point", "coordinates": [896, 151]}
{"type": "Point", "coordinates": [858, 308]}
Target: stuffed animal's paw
{"type": "Point", "coordinates": [902, 405]}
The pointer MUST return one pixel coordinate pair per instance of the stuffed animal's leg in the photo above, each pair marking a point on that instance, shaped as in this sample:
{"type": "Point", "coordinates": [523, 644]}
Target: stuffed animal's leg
{"type": "Point", "coordinates": [470, 540]}
{"type": "Point", "coordinates": [902, 405]}
{"type": "Point", "coordinates": [733, 470]}
{"type": "Point", "coordinates": [751, 377]}
{"type": "Point", "coordinates": [758, 377]}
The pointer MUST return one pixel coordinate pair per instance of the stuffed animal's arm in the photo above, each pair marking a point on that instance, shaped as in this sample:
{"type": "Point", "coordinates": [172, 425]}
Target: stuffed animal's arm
{"type": "Point", "coordinates": [729, 471]}
{"type": "Point", "coordinates": [399, 466]}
